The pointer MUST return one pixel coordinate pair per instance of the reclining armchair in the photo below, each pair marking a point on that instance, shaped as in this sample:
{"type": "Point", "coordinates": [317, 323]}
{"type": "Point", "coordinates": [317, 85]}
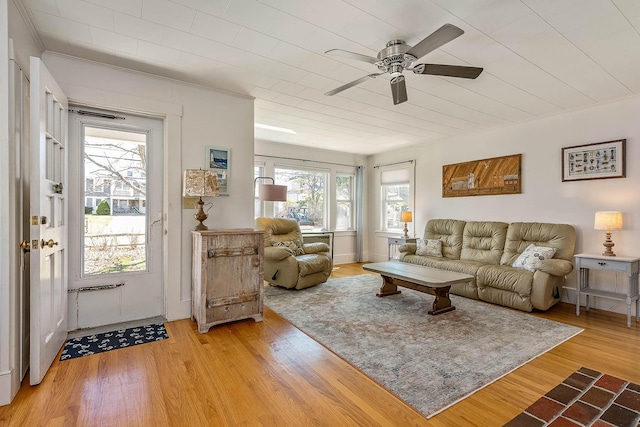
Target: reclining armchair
{"type": "Point", "coordinates": [288, 261]}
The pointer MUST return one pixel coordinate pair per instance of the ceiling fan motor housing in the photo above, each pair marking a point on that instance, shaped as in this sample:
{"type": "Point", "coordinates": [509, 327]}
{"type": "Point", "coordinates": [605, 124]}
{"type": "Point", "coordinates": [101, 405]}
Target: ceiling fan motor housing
{"type": "Point", "coordinates": [394, 57]}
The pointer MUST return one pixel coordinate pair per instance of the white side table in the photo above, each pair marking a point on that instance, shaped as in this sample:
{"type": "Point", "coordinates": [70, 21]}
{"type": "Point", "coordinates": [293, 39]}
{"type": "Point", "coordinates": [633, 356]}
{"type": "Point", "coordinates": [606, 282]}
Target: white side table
{"type": "Point", "coordinates": [627, 265]}
{"type": "Point", "coordinates": [395, 242]}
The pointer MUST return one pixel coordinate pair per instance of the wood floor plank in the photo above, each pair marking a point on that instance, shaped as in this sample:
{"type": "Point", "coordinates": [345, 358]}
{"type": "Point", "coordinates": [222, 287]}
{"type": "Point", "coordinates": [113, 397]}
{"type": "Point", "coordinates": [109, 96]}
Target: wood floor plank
{"type": "Point", "coordinates": [271, 374]}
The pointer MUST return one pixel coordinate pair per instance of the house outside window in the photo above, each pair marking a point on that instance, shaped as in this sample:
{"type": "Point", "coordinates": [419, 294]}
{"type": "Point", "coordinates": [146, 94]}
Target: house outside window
{"type": "Point", "coordinates": [345, 201]}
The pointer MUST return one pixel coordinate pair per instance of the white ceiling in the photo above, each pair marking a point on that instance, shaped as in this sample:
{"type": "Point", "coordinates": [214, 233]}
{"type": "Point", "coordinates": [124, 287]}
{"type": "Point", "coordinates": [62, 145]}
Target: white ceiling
{"type": "Point", "coordinates": [540, 57]}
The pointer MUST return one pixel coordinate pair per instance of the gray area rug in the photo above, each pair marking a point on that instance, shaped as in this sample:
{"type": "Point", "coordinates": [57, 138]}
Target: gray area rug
{"type": "Point", "coordinates": [430, 362]}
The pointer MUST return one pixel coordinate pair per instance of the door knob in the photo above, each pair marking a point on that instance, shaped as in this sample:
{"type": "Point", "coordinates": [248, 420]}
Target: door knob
{"type": "Point", "coordinates": [25, 246]}
{"type": "Point", "coordinates": [49, 243]}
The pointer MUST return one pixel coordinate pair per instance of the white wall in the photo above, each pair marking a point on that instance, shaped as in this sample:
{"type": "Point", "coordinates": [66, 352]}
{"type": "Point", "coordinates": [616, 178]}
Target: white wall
{"type": "Point", "coordinates": [195, 117]}
{"type": "Point", "coordinates": [344, 245]}
{"type": "Point", "coordinates": [23, 42]}
{"type": "Point", "coordinates": [544, 197]}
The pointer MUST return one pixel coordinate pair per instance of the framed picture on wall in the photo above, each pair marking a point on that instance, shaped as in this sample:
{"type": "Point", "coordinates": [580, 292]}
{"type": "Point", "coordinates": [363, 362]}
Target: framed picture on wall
{"type": "Point", "coordinates": [219, 161]}
{"type": "Point", "coordinates": [594, 161]}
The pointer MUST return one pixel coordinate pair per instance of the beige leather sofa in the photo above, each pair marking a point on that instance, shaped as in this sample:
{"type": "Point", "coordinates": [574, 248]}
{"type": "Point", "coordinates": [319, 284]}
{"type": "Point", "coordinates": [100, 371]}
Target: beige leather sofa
{"type": "Point", "coordinates": [486, 250]}
{"type": "Point", "coordinates": [289, 262]}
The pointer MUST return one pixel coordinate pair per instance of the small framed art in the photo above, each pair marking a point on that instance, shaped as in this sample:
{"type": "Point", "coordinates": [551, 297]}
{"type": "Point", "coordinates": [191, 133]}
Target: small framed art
{"type": "Point", "coordinates": [219, 160]}
{"type": "Point", "coordinates": [594, 161]}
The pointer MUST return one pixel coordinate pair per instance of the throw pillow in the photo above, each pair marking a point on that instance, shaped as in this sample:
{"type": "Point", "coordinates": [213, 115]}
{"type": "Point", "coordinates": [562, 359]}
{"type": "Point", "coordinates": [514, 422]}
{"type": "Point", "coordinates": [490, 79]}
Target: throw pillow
{"type": "Point", "coordinates": [429, 247]}
{"type": "Point", "coordinates": [291, 245]}
{"type": "Point", "coordinates": [531, 257]}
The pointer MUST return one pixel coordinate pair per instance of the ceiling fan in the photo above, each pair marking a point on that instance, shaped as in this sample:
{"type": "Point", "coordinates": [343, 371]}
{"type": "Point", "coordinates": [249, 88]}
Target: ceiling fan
{"type": "Point", "coordinates": [398, 56]}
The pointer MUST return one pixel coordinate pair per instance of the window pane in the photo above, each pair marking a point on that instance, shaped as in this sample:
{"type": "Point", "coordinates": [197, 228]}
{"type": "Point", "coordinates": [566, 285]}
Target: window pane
{"type": "Point", "coordinates": [395, 200]}
{"type": "Point", "coordinates": [305, 197]}
{"type": "Point", "coordinates": [258, 170]}
{"type": "Point", "coordinates": [343, 187]}
{"type": "Point", "coordinates": [116, 228]}
{"type": "Point", "coordinates": [343, 220]}
{"type": "Point", "coordinates": [344, 202]}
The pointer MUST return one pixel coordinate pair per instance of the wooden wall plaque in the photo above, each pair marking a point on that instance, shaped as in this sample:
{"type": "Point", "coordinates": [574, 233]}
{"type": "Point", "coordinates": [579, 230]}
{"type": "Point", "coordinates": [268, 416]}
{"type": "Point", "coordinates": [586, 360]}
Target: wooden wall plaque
{"type": "Point", "coordinates": [497, 175]}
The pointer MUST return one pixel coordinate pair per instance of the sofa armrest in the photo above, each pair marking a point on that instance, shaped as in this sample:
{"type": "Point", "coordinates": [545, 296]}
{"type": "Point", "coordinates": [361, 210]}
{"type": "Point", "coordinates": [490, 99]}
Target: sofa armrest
{"type": "Point", "coordinates": [408, 248]}
{"type": "Point", "coordinates": [315, 247]}
{"type": "Point", "coordinates": [556, 267]}
{"type": "Point", "coordinates": [273, 253]}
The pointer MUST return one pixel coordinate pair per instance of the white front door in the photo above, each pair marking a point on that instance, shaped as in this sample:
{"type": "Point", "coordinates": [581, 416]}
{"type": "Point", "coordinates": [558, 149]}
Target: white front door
{"type": "Point", "coordinates": [48, 220]}
{"type": "Point", "coordinates": [115, 202]}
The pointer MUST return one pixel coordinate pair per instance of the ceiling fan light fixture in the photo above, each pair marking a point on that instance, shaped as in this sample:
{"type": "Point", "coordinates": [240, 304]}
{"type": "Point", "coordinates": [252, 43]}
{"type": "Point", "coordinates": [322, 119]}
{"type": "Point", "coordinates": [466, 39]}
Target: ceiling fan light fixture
{"type": "Point", "coordinates": [398, 56]}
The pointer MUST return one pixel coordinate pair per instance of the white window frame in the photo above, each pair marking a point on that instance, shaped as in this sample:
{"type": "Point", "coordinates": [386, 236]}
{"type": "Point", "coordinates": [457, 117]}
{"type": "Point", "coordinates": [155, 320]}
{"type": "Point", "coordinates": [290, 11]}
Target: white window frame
{"type": "Point", "coordinates": [350, 200]}
{"type": "Point", "coordinates": [258, 206]}
{"type": "Point", "coordinates": [393, 175]}
{"type": "Point", "coordinates": [327, 189]}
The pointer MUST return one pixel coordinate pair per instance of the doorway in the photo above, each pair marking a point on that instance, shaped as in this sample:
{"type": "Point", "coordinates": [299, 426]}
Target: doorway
{"type": "Point", "coordinates": [115, 216]}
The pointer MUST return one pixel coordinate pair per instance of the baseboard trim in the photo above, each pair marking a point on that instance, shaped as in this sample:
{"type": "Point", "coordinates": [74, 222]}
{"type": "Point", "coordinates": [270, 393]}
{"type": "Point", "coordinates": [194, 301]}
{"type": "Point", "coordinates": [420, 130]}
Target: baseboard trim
{"type": "Point", "coordinates": [6, 392]}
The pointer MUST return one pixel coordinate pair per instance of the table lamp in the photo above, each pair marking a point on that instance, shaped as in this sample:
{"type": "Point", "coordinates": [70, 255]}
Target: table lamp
{"type": "Point", "coordinates": [406, 216]}
{"type": "Point", "coordinates": [200, 183]}
{"type": "Point", "coordinates": [607, 221]}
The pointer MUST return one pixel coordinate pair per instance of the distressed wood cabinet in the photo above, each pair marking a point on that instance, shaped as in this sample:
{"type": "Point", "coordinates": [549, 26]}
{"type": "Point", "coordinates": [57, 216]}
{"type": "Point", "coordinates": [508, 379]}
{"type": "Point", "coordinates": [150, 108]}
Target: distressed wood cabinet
{"type": "Point", "coordinates": [227, 276]}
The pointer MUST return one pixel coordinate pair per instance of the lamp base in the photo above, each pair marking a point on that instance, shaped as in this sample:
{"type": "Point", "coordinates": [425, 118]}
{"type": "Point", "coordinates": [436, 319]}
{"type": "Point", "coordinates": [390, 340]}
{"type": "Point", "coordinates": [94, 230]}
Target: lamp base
{"type": "Point", "coordinates": [406, 230]}
{"type": "Point", "coordinates": [200, 216]}
{"type": "Point", "coordinates": [608, 244]}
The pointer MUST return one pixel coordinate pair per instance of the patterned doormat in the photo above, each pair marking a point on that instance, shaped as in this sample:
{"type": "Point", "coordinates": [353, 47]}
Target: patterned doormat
{"type": "Point", "coordinates": [585, 398]}
{"type": "Point", "coordinates": [93, 344]}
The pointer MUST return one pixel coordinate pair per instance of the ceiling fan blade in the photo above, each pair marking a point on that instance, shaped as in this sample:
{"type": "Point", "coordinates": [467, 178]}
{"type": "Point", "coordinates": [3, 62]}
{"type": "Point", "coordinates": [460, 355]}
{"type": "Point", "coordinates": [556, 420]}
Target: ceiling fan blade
{"type": "Point", "coordinates": [352, 55]}
{"type": "Point", "coordinates": [353, 83]}
{"type": "Point", "coordinates": [448, 70]}
{"type": "Point", "coordinates": [398, 90]}
{"type": "Point", "coordinates": [439, 37]}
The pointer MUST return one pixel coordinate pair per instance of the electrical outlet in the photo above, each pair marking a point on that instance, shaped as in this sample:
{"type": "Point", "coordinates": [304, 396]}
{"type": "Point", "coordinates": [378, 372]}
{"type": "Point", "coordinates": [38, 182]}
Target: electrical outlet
{"type": "Point", "coordinates": [190, 202]}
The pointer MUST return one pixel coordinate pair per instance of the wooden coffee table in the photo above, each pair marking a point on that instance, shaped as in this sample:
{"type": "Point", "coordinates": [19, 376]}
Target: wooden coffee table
{"type": "Point", "coordinates": [417, 277]}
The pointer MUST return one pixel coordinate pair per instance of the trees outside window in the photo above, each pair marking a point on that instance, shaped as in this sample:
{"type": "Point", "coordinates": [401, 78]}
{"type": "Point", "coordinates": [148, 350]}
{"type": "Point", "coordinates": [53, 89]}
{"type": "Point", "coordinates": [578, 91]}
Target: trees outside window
{"type": "Point", "coordinates": [306, 197]}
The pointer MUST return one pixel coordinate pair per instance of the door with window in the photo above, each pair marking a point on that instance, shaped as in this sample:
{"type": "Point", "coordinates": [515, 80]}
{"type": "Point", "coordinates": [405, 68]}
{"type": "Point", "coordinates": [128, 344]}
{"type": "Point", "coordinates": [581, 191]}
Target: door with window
{"type": "Point", "coordinates": [115, 215]}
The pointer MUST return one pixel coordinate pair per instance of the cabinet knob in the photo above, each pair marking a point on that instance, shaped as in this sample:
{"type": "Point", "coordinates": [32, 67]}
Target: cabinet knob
{"type": "Point", "coordinates": [602, 263]}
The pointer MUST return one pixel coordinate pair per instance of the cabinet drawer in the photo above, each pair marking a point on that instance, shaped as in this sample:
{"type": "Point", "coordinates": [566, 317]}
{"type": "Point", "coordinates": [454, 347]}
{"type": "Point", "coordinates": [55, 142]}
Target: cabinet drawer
{"type": "Point", "coordinates": [600, 264]}
{"type": "Point", "coordinates": [232, 311]}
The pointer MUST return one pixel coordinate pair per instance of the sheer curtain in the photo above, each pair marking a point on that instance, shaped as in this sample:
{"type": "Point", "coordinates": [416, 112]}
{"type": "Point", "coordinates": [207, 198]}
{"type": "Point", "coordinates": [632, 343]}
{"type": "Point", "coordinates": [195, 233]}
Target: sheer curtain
{"type": "Point", "coordinates": [359, 212]}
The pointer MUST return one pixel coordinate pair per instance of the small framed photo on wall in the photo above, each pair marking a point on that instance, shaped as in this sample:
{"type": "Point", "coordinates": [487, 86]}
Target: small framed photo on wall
{"type": "Point", "coordinates": [594, 161]}
{"type": "Point", "coordinates": [219, 161]}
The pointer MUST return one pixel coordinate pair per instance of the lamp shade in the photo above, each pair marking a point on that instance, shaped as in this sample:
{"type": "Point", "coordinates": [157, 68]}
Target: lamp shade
{"type": "Point", "coordinates": [406, 216]}
{"type": "Point", "coordinates": [608, 220]}
{"type": "Point", "coordinates": [200, 183]}
{"type": "Point", "coordinates": [272, 193]}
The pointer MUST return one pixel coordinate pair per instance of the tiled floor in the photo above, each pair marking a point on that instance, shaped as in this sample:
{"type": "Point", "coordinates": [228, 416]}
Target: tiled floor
{"type": "Point", "coordinates": [585, 398]}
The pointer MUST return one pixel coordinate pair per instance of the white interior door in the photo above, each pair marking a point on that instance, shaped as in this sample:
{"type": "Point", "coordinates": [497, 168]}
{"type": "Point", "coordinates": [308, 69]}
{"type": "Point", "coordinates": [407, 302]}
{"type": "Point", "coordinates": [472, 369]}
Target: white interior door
{"type": "Point", "coordinates": [115, 202]}
{"type": "Point", "coordinates": [48, 220]}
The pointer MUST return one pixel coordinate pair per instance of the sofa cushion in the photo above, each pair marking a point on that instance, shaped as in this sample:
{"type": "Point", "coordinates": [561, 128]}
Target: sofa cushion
{"type": "Point", "coordinates": [531, 258]}
{"type": "Point", "coordinates": [483, 241]}
{"type": "Point", "coordinates": [450, 232]}
{"type": "Point", "coordinates": [429, 247]}
{"type": "Point", "coordinates": [313, 263]}
{"type": "Point", "coordinates": [505, 285]}
{"type": "Point", "coordinates": [522, 234]}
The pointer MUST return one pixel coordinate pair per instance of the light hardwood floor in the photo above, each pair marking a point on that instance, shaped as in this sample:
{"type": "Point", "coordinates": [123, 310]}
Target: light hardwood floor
{"type": "Point", "coordinates": [271, 374]}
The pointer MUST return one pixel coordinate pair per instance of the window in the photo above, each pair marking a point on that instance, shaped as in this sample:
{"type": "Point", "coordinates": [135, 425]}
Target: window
{"type": "Point", "coordinates": [344, 201]}
{"type": "Point", "coordinates": [395, 190]}
{"type": "Point", "coordinates": [258, 170]}
{"type": "Point", "coordinates": [306, 197]}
